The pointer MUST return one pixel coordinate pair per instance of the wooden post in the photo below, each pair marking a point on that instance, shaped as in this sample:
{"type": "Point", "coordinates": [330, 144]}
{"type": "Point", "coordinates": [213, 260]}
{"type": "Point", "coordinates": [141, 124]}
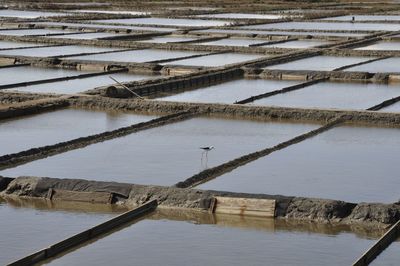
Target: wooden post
{"type": "Point", "coordinates": [244, 206]}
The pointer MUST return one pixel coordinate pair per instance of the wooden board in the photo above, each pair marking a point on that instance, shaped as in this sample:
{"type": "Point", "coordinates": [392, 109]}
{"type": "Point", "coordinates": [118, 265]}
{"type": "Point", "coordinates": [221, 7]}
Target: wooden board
{"type": "Point", "coordinates": [244, 206]}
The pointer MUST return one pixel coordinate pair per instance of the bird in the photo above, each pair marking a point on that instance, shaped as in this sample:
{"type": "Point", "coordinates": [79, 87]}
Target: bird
{"type": "Point", "coordinates": [205, 149]}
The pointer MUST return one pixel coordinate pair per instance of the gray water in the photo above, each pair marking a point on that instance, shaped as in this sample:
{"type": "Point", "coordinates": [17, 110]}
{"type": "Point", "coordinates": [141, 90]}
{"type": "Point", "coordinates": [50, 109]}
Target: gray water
{"type": "Point", "coordinates": [166, 39]}
{"type": "Point", "coordinates": [164, 155]}
{"type": "Point", "coordinates": [86, 25]}
{"type": "Point", "coordinates": [138, 56]}
{"type": "Point", "coordinates": [386, 65]}
{"type": "Point", "coordinates": [26, 73]}
{"type": "Point", "coordinates": [24, 229]}
{"type": "Point", "coordinates": [391, 46]}
{"type": "Point", "coordinates": [174, 22]}
{"type": "Point", "coordinates": [355, 164]}
{"type": "Point", "coordinates": [80, 85]}
{"type": "Point", "coordinates": [22, 32]}
{"type": "Point", "coordinates": [320, 63]}
{"type": "Point", "coordinates": [326, 26]}
{"type": "Point", "coordinates": [86, 36]}
{"type": "Point", "coordinates": [297, 44]}
{"type": "Point", "coordinates": [392, 108]}
{"type": "Point", "coordinates": [365, 18]}
{"type": "Point", "coordinates": [53, 127]}
{"type": "Point", "coordinates": [27, 14]}
{"type": "Point", "coordinates": [336, 95]}
{"type": "Point", "coordinates": [243, 16]}
{"type": "Point", "coordinates": [230, 92]}
{"type": "Point", "coordinates": [9, 44]}
{"type": "Point", "coordinates": [216, 60]}
{"type": "Point", "coordinates": [389, 257]}
{"type": "Point", "coordinates": [56, 50]}
{"type": "Point", "coordinates": [172, 242]}
{"type": "Point", "coordinates": [233, 42]}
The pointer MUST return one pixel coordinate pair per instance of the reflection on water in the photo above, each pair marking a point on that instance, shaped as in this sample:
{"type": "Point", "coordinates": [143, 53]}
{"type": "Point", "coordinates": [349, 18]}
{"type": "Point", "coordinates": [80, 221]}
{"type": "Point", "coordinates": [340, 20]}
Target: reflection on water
{"type": "Point", "coordinates": [164, 155]}
{"type": "Point", "coordinates": [56, 50]}
{"type": "Point", "coordinates": [354, 164]}
{"type": "Point", "coordinates": [381, 66]}
{"type": "Point", "coordinates": [389, 257]}
{"type": "Point", "coordinates": [216, 60]}
{"type": "Point", "coordinates": [185, 238]}
{"type": "Point", "coordinates": [53, 127]}
{"type": "Point", "coordinates": [28, 226]}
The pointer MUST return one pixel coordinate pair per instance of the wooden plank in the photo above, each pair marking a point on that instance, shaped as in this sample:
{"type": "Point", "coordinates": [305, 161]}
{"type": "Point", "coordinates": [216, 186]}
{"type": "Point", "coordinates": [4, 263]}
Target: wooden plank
{"type": "Point", "coordinates": [87, 235]}
{"type": "Point", "coordinates": [244, 206]}
{"type": "Point", "coordinates": [80, 196]}
{"type": "Point", "coordinates": [391, 235]}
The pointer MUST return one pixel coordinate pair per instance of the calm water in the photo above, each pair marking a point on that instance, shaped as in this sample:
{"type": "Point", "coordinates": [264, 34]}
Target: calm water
{"type": "Point", "coordinates": [392, 46]}
{"type": "Point", "coordinates": [392, 108]}
{"type": "Point", "coordinates": [139, 56]}
{"type": "Point", "coordinates": [386, 65]}
{"type": "Point", "coordinates": [8, 44]}
{"type": "Point", "coordinates": [27, 14]}
{"type": "Point", "coordinates": [321, 63]}
{"type": "Point", "coordinates": [283, 32]}
{"type": "Point", "coordinates": [233, 42]}
{"type": "Point", "coordinates": [25, 73]}
{"type": "Point", "coordinates": [164, 155]}
{"type": "Point", "coordinates": [53, 127]}
{"type": "Point", "coordinates": [26, 229]}
{"type": "Point", "coordinates": [135, 28]}
{"type": "Point", "coordinates": [335, 95]}
{"type": "Point", "coordinates": [297, 44]}
{"type": "Point", "coordinates": [216, 60]}
{"type": "Point", "coordinates": [167, 22]}
{"type": "Point", "coordinates": [390, 257]}
{"type": "Point", "coordinates": [326, 26]}
{"type": "Point", "coordinates": [162, 241]}
{"type": "Point", "coordinates": [365, 18]}
{"type": "Point", "coordinates": [243, 16]}
{"type": "Point", "coordinates": [230, 92]}
{"type": "Point", "coordinates": [339, 165]}
{"type": "Point", "coordinates": [22, 32]}
{"type": "Point", "coordinates": [169, 39]}
{"type": "Point", "coordinates": [80, 85]}
{"type": "Point", "coordinates": [56, 50]}
{"type": "Point", "coordinates": [86, 36]}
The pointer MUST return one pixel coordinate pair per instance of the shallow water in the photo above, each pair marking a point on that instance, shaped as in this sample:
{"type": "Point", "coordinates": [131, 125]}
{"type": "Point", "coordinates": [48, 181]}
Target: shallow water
{"type": "Point", "coordinates": [386, 65]}
{"type": "Point", "coordinates": [233, 42]}
{"type": "Point", "coordinates": [283, 32]}
{"type": "Point", "coordinates": [326, 26]}
{"type": "Point", "coordinates": [20, 74]}
{"type": "Point", "coordinates": [164, 155]}
{"type": "Point", "coordinates": [56, 50]}
{"type": "Point", "coordinates": [389, 257]}
{"type": "Point", "coordinates": [365, 18]}
{"type": "Point", "coordinates": [355, 164]}
{"type": "Point", "coordinates": [27, 14]}
{"type": "Point", "coordinates": [53, 127]}
{"type": "Point", "coordinates": [25, 230]}
{"type": "Point", "coordinates": [138, 56]}
{"type": "Point", "coordinates": [210, 244]}
{"type": "Point", "coordinates": [320, 63]}
{"type": "Point", "coordinates": [86, 36]}
{"type": "Point", "coordinates": [80, 85]}
{"type": "Point", "coordinates": [135, 28]}
{"type": "Point", "coordinates": [169, 39]}
{"type": "Point", "coordinates": [9, 44]}
{"type": "Point", "coordinates": [229, 92]}
{"type": "Point", "coordinates": [335, 95]}
{"type": "Point", "coordinates": [167, 22]}
{"type": "Point", "coordinates": [393, 46]}
{"type": "Point", "coordinates": [125, 12]}
{"type": "Point", "coordinates": [22, 32]}
{"type": "Point", "coordinates": [392, 108]}
{"type": "Point", "coordinates": [216, 60]}
{"type": "Point", "coordinates": [243, 16]}
{"type": "Point", "coordinates": [297, 44]}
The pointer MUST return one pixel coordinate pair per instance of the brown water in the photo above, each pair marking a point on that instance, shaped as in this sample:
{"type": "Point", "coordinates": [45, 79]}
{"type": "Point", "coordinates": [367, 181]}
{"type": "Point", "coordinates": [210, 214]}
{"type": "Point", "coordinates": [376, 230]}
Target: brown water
{"type": "Point", "coordinates": [28, 227]}
{"type": "Point", "coordinates": [14, 75]}
{"type": "Point", "coordinates": [53, 127]}
{"type": "Point", "coordinates": [216, 60]}
{"type": "Point", "coordinates": [164, 155]}
{"type": "Point", "coordinates": [80, 85]}
{"type": "Point", "coordinates": [335, 95]}
{"type": "Point", "coordinates": [353, 164]}
{"type": "Point", "coordinates": [230, 92]}
{"type": "Point", "coordinates": [320, 63]}
{"type": "Point", "coordinates": [222, 240]}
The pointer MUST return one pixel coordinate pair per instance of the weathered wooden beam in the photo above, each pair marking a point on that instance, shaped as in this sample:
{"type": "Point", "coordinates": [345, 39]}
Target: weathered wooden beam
{"type": "Point", "coordinates": [244, 206]}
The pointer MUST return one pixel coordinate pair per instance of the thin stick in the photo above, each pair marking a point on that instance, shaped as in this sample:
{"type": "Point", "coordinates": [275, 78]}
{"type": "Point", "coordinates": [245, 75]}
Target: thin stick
{"type": "Point", "coordinates": [125, 87]}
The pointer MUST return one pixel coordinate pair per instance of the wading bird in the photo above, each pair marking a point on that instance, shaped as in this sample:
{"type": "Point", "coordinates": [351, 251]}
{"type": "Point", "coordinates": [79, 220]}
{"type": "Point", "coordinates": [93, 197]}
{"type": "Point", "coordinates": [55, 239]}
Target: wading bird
{"type": "Point", "coordinates": [205, 151]}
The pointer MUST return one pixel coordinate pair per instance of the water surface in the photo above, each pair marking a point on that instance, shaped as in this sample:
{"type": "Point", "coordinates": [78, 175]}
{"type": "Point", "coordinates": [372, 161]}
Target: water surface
{"type": "Point", "coordinates": [177, 22]}
{"type": "Point", "coordinates": [164, 155]}
{"type": "Point", "coordinates": [297, 44]}
{"type": "Point", "coordinates": [53, 127]}
{"type": "Point", "coordinates": [339, 164]}
{"type": "Point", "coordinates": [10, 45]}
{"type": "Point", "coordinates": [326, 26]}
{"type": "Point", "coordinates": [233, 42]}
{"type": "Point", "coordinates": [56, 50]}
{"type": "Point", "coordinates": [216, 60]}
{"type": "Point", "coordinates": [391, 46]}
{"type": "Point", "coordinates": [22, 32]}
{"type": "Point", "coordinates": [386, 65]}
{"type": "Point", "coordinates": [27, 14]}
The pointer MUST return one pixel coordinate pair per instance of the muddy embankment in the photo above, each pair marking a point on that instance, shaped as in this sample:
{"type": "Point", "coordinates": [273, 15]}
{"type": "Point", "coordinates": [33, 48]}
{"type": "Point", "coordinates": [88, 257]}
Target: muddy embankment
{"type": "Point", "coordinates": [296, 208]}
